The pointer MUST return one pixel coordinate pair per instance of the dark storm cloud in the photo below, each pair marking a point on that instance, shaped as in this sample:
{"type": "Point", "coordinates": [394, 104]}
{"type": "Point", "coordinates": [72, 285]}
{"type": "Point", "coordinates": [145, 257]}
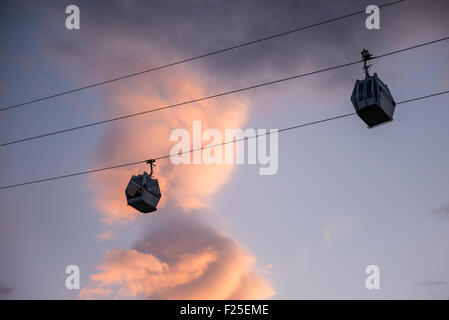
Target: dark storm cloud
{"type": "Point", "coordinates": [181, 29]}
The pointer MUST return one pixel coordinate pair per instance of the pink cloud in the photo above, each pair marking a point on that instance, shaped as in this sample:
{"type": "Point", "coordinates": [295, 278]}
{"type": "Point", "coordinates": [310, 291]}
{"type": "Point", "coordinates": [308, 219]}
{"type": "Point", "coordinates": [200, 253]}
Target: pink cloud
{"type": "Point", "coordinates": [105, 236]}
{"type": "Point", "coordinates": [183, 260]}
{"type": "Point", "coordinates": [186, 186]}
{"type": "Point", "coordinates": [175, 261]}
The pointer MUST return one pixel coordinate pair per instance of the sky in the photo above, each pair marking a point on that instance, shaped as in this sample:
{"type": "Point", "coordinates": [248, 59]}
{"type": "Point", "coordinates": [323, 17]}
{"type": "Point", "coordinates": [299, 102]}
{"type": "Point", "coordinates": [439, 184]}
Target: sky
{"type": "Point", "coordinates": [344, 196]}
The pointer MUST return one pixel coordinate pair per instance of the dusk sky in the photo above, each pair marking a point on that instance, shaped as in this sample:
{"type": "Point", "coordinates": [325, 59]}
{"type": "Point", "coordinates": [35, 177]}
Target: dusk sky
{"type": "Point", "coordinates": [344, 196]}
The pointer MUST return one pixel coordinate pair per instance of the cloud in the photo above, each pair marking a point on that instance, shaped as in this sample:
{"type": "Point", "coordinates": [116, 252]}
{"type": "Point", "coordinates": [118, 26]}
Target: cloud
{"type": "Point", "coordinates": [433, 283]}
{"type": "Point", "coordinates": [187, 186]}
{"type": "Point", "coordinates": [338, 229]}
{"type": "Point", "coordinates": [179, 258]}
{"type": "Point", "coordinates": [105, 236]}
{"type": "Point", "coordinates": [441, 212]}
{"type": "Point", "coordinates": [5, 291]}
{"type": "Point", "coordinates": [436, 289]}
{"type": "Point", "coordinates": [143, 39]}
{"type": "Point", "coordinates": [141, 273]}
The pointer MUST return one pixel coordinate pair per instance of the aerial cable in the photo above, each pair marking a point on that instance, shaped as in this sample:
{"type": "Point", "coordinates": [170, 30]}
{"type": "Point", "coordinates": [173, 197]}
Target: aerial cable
{"type": "Point", "coordinates": [244, 44]}
{"type": "Point", "coordinates": [207, 147]}
{"type": "Point", "coordinates": [217, 95]}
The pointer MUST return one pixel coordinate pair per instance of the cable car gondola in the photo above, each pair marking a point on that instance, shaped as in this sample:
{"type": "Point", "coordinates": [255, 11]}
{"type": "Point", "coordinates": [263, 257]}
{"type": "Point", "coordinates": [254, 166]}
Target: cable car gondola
{"type": "Point", "coordinates": [371, 97]}
{"type": "Point", "coordinates": [142, 192]}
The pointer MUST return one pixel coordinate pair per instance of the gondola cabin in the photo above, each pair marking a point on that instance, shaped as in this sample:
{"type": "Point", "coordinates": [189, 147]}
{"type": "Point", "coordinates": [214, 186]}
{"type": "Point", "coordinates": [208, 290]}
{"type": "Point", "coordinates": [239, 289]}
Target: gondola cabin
{"type": "Point", "coordinates": [373, 101]}
{"type": "Point", "coordinates": [143, 193]}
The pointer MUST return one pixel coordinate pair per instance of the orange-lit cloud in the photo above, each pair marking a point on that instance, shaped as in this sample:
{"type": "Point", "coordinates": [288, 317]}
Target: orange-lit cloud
{"type": "Point", "coordinates": [187, 186]}
{"type": "Point", "coordinates": [105, 236]}
{"type": "Point", "coordinates": [185, 260]}
{"type": "Point", "coordinates": [188, 261]}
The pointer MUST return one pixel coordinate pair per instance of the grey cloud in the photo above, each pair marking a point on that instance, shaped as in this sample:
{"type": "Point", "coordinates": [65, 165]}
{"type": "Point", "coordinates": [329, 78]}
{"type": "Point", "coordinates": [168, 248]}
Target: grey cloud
{"type": "Point", "coordinates": [441, 212]}
{"type": "Point", "coordinates": [180, 29]}
{"type": "Point", "coordinates": [433, 283]}
{"type": "Point", "coordinates": [5, 291]}
{"type": "Point", "coordinates": [435, 289]}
